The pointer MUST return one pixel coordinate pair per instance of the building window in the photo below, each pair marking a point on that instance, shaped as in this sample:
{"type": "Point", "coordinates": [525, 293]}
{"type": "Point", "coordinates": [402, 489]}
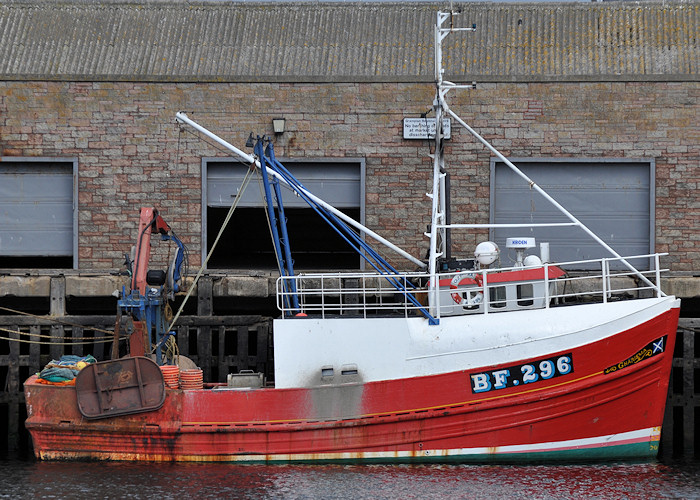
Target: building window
{"type": "Point", "coordinates": [246, 242]}
{"type": "Point", "coordinates": [38, 213]}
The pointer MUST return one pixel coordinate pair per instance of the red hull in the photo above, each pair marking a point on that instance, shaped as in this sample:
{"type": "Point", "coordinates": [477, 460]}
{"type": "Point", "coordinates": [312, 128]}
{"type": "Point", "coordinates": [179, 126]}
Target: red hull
{"type": "Point", "coordinates": [610, 405]}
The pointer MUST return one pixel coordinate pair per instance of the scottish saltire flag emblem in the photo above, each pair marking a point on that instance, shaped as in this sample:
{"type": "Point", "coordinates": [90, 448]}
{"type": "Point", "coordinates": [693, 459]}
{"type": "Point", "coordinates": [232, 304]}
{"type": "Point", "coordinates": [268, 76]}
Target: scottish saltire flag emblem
{"type": "Point", "coordinates": [653, 348]}
{"type": "Point", "coordinates": [658, 346]}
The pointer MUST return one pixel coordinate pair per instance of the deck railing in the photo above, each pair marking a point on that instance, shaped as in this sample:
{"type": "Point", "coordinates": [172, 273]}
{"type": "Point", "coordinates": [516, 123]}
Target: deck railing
{"type": "Point", "coordinates": [371, 294]}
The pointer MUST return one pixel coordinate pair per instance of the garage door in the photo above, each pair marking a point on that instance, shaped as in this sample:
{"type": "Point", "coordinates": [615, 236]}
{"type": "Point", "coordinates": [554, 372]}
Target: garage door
{"type": "Point", "coordinates": [36, 207]}
{"type": "Point", "coordinates": [338, 183]}
{"type": "Point", "coordinates": [614, 198]}
{"type": "Point", "coordinates": [246, 242]}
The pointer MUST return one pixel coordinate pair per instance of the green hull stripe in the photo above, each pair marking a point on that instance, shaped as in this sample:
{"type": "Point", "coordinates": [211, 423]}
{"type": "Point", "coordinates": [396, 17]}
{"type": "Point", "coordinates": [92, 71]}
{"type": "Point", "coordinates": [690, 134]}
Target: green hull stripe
{"type": "Point", "coordinates": [628, 452]}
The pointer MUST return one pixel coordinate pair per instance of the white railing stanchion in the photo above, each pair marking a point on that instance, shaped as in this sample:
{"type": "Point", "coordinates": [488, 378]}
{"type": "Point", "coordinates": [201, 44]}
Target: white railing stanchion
{"type": "Point", "coordinates": [323, 299]}
{"type": "Point", "coordinates": [364, 297]}
{"type": "Point", "coordinates": [484, 286]}
{"type": "Point", "coordinates": [405, 297]}
{"type": "Point", "coordinates": [657, 267]}
{"type": "Point", "coordinates": [604, 279]}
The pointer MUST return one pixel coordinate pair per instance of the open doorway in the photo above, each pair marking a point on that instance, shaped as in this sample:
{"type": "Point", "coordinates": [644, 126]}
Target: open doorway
{"type": "Point", "coordinates": [246, 242]}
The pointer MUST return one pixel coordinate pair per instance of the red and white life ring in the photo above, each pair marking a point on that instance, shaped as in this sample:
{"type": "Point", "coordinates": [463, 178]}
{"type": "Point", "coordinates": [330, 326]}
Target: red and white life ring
{"type": "Point", "coordinates": [474, 298]}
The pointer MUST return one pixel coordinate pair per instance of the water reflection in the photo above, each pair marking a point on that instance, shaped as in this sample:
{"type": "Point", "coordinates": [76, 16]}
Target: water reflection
{"type": "Point", "coordinates": [23, 479]}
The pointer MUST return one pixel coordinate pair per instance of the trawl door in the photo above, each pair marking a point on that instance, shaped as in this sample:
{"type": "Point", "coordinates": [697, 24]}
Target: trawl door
{"type": "Point", "coordinates": [614, 198]}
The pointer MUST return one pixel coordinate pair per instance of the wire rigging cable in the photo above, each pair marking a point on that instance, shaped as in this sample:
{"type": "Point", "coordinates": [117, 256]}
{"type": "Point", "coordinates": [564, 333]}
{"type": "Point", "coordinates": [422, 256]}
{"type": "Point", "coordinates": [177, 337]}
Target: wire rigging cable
{"type": "Point", "coordinates": [234, 205]}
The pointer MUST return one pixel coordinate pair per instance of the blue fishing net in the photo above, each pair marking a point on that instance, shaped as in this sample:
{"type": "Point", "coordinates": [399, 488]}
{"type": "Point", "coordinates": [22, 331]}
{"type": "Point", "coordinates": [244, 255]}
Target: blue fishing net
{"type": "Point", "coordinates": [64, 369]}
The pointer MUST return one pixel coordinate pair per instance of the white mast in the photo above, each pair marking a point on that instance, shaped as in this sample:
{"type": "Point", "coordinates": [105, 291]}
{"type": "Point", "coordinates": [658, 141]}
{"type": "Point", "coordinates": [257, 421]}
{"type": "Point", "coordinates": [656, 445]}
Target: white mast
{"type": "Point", "coordinates": [441, 106]}
{"type": "Point", "coordinates": [438, 227]}
{"type": "Point", "coordinates": [437, 194]}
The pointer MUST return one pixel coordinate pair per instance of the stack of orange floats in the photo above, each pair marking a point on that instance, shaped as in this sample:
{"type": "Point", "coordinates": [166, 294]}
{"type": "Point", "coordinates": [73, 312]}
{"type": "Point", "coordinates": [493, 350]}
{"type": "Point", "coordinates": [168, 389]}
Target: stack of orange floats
{"type": "Point", "coordinates": [171, 375]}
{"type": "Point", "coordinates": [191, 379]}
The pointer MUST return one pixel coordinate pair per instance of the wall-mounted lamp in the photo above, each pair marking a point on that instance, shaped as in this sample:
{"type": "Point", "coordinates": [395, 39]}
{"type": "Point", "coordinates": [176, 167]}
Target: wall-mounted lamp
{"type": "Point", "coordinates": [278, 125]}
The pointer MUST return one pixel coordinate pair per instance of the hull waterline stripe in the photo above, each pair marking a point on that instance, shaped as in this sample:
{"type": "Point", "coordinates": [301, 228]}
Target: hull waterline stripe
{"type": "Point", "coordinates": [631, 437]}
{"type": "Point", "coordinates": [641, 443]}
{"type": "Point", "coordinates": [633, 444]}
{"type": "Point", "coordinates": [627, 438]}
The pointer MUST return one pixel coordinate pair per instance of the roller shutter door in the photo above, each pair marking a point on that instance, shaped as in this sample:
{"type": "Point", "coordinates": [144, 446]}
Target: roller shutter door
{"type": "Point", "coordinates": [36, 208]}
{"type": "Point", "coordinates": [614, 198]}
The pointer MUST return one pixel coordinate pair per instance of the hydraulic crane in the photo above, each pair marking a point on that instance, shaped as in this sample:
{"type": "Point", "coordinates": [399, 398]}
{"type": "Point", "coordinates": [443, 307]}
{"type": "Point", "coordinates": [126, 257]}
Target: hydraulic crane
{"type": "Point", "coordinates": [147, 302]}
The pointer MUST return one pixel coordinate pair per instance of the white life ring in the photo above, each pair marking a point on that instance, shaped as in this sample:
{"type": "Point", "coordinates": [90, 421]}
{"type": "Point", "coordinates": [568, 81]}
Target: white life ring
{"type": "Point", "coordinates": [474, 299]}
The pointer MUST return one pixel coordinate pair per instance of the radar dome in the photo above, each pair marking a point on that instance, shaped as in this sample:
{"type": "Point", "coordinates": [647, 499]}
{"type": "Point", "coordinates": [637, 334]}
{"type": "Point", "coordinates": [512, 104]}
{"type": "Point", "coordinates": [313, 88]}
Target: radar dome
{"type": "Point", "coordinates": [532, 261]}
{"type": "Point", "coordinates": [486, 253]}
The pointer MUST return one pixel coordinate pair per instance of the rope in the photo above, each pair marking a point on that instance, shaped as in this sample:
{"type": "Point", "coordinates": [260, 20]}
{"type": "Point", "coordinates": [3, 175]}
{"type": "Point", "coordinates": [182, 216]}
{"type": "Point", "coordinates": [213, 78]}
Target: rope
{"type": "Point", "coordinates": [18, 332]}
{"type": "Point", "coordinates": [246, 180]}
{"type": "Point", "coordinates": [167, 312]}
{"type": "Point", "coordinates": [171, 350]}
{"type": "Point", "coordinates": [269, 223]}
{"type": "Point", "coordinates": [66, 323]}
{"type": "Point", "coordinates": [53, 343]}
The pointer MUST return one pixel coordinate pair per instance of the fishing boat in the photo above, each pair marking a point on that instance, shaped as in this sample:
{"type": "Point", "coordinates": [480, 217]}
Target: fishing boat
{"type": "Point", "coordinates": [461, 361]}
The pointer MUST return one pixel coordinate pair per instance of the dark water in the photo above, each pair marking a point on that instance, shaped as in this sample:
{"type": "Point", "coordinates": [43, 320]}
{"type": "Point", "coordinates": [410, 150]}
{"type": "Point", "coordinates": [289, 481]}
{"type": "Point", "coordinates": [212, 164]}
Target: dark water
{"type": "Point", "coordinates": [32, 479]}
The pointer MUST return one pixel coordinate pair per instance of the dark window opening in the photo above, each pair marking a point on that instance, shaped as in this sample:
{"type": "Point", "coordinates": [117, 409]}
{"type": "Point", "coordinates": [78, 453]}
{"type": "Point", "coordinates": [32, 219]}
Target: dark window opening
{"type": "Point", "coordinates": [38, 262]}
{"type": "Point", "coordinates": [33, 305]}
{"type": "Point", "coordinates": [497, 297]}
{"type": "Point", "coordinates": [246, 242]}
{"type": "Point", "coordinates": [525, 295]}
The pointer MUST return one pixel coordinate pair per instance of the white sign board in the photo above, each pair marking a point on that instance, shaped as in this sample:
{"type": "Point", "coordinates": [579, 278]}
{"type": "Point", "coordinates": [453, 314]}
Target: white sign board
{"type": "Point", "coordinates": [424, 128]}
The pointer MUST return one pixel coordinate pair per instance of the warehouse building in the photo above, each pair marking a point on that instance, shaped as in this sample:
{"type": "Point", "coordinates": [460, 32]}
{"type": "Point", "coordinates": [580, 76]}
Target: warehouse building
{"type": "Point", "coordinates": [597, 102]}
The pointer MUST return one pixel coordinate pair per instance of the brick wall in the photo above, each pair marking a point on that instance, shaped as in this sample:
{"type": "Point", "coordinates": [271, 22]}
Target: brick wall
{"type": "Point", "coordinates": [131, 153]}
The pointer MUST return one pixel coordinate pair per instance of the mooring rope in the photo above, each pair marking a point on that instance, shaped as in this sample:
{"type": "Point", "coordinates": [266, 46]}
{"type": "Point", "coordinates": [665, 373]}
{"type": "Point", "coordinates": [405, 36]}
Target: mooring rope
{"type": "Point", "coordinates": [19, 332]}
{"type": "Point", "coordinates": [53, 320]}
{"type": "Point", "coordinates": [95, 340]}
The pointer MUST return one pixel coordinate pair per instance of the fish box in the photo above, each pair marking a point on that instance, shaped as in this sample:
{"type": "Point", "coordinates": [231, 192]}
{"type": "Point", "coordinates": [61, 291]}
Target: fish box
{"type": "Point", "coordinates": [246, 378]}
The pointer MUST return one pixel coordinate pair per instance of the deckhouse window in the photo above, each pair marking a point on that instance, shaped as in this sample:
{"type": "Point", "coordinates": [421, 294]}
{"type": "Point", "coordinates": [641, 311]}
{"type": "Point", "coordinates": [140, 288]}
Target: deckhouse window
{"type": "Point", "coordinates": [497, 297]}
{"type": "Point", "coordinates": [525, 294]}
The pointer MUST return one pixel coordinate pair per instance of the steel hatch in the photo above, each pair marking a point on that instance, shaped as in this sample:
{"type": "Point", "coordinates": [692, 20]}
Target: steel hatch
{"type": "Point", "coordinates": [119, 387]}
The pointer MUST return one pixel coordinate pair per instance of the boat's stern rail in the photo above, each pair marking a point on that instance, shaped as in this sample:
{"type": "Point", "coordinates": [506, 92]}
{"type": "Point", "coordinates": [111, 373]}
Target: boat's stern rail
{"type": "Point", "coordinates": [353, 294]}
{"type": "Point", "coordinates": [466, 292]}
